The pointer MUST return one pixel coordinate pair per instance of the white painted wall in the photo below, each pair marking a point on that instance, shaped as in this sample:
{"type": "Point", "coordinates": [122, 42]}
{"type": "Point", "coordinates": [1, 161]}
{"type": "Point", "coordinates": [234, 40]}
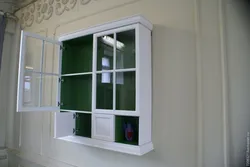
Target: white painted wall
{"type": "Point", "coordinates": [238, 51]}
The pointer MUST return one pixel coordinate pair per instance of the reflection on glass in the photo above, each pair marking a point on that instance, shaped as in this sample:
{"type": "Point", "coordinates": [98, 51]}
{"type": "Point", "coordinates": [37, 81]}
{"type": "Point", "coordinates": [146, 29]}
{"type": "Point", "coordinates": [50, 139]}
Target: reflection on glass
{"type": "Point", "coordinates": [125, 91]}
{"type": "Point", "coordinates": [49, 90]}
{"type": "Point", "coordinates": [33, 54]}
{"type": "Point", "coordinates": [104, 91]}
{"type": "Point", "coordinates": [125, 50]}
{"type": "Point", "coordinates": [31, 89]}
{"type": "Point", "coordinates": [106, 77]}
{"type": "Point", "coordinates": [105, 53]}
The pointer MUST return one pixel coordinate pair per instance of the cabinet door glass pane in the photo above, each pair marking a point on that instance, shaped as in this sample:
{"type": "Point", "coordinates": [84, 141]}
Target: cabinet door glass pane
{"type": "Point", "coordinates": [105, 47]}
{"type": "Point", "coordinates": [51, 58]}
{"type": "Point", "coordinates": [125, 50]}
{"type": "Point", "coordinates": [125, 91]}
{"type": "Point", "coordinates": [49, 93]}
{"type": "Point", "coordinates": [76, 92]}
{"type": "Point", "coordinates": [77, 55]}
{"type": "Point", "coordinates": [104, 91]}
{"type": "Point", "coordinates": [31, 88]}
{"type": "Point", "coordinates": [33, 54]}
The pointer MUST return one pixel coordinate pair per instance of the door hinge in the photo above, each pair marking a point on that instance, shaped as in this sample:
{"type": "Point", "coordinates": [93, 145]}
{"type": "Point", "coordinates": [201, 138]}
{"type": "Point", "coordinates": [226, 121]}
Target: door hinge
{"type": "Point", "coordinates": [61, 80]}
{"type": "Point", "coordinates": [75, 115]}
{"type": "Point", "coordinates": [62, 47]}
{"type": "Point", "coordinates": [59, 104]}
{"type": "Point", "coordinates": [75, 131]}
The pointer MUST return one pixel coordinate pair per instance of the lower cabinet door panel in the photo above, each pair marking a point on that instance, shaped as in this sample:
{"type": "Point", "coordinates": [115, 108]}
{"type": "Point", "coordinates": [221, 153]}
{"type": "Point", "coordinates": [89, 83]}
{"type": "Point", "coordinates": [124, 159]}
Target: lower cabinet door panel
{"type": "Point", "coordinates": [103, 127]}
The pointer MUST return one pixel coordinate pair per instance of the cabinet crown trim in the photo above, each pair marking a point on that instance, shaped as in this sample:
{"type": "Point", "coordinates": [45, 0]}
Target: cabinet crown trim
{"type": "Point", "coordinates": [108, 25]}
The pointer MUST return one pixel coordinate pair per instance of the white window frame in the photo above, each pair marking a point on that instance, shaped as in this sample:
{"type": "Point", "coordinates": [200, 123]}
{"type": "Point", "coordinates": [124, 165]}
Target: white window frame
{"type": "Point", "coordinates": [20, 92]}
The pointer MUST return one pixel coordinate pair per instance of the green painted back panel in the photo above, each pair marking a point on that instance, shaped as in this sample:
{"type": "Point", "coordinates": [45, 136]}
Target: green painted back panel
{"type": "Point", "coordinates": [76, 92]}
{"type": "Point", "coordinates": [83, 125]}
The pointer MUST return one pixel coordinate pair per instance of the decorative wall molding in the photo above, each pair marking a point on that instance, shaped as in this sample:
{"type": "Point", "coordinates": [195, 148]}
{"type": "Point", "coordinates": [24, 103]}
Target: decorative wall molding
{"type": "Point", "coordinates": [27, 16]}
{"type": "Point", "coordinates": [85, 2]}
{"type": "Point", "coordinates": [64, 5]}
{"type": "Point", "coordinates": [44, 10]}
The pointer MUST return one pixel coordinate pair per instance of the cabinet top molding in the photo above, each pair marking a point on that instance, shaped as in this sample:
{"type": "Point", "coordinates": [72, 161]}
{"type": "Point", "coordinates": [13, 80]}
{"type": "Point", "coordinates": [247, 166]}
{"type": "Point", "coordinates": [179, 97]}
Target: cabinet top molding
{"type": "Point", "coordinates": [107, 26]}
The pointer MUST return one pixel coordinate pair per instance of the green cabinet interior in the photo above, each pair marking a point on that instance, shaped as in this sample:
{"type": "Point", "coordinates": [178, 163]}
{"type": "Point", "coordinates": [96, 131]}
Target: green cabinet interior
{"type": "Point", "coordinates": [77, 58]}
{"type": "Point", "coordinates": [76, 91]}
{"type": "Point", "coordinates": [83, 125]}
{"type": "Point", "coordinates": [77, 55]}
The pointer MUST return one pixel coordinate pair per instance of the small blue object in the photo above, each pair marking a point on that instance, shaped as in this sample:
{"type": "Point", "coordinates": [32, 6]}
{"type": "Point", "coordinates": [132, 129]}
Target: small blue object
{"type": "Point", "coordinates": [129, 132]}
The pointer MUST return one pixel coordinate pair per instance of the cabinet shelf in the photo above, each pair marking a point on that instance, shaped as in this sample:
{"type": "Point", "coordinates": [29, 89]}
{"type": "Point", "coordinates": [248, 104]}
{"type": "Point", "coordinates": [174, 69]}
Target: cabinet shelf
{"type": "Point", "coordinates": [76, 111]}
{"type": "Point", "coordinates": [117, 70]}
{"type": "Point", "coordinates": [118, 112]}
{"type": "Point", "coordinates": [76, 74]}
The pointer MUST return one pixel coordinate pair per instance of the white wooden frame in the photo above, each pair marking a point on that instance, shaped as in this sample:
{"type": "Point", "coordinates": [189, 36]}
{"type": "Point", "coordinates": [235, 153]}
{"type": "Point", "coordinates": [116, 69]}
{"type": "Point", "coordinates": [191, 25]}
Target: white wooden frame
{"type": "Point", "coordinates": [20, 107]}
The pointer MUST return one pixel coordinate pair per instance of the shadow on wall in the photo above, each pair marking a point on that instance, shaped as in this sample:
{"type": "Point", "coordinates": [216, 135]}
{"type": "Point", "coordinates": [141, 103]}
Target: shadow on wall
{"type": "Point", "coordinates": [238, 56]}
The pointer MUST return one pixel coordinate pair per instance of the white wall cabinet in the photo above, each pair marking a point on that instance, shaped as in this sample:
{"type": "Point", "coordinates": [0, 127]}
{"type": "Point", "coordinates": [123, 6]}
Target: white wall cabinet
{"type": "Point", "coordinates": [97, 81]}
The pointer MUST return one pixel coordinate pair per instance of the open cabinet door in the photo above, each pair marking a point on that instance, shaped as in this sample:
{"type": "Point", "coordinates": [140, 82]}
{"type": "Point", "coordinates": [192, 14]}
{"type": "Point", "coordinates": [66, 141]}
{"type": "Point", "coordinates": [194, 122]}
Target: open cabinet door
{"type": "Point", "coordinates": [39, 74]}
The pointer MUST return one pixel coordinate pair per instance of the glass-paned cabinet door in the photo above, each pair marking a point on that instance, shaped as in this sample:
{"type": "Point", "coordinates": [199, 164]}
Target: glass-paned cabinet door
{"type": "Point", "coordinates": [38, 73]}
{"type": "Point", "coordinates": [115, 68]}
